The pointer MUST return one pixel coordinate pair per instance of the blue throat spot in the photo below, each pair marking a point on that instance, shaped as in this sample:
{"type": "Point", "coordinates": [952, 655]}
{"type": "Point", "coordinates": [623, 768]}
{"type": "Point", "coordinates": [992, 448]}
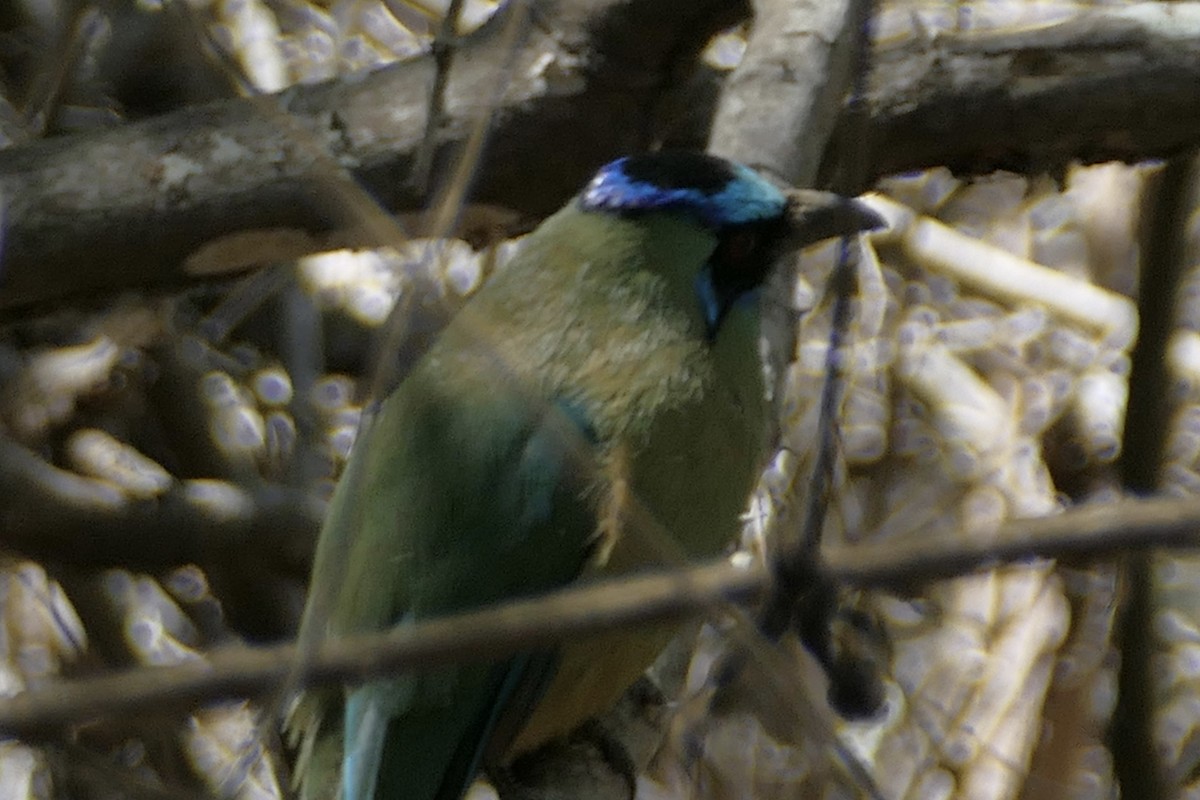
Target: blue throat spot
{"type": "Point", "coordinates": [575, 411]}
{"type": "Point", "coordinates": [715, 305]}
{"type": "Point", "coordinates": [719, 193]}
{"type": "Point", "coordinates": [711, 305]}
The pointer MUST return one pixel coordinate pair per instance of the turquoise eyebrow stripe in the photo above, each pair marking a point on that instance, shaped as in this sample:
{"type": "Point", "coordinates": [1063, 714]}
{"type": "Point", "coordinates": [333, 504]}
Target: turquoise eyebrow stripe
{"type": "Point", "coordinates": [748, 197]}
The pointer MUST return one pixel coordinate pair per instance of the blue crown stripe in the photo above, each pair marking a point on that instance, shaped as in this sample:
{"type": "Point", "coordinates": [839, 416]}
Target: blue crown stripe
{"type": "Point", "coordinates": [743, 195]}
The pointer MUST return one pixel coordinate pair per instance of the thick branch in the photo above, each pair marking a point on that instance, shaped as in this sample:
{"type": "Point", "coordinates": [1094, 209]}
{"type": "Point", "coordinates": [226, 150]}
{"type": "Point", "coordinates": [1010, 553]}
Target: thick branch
{"type": "Point", "coordinates": [129, 207]}
{"type": "Point", "coordinates": [243, 182]}
{"type": "Point", "coordinates": [59, 516]}
{"type": "Point", "coordinates": [1114, 83]}
{"type": "Point", "coordinates": [779, 107]}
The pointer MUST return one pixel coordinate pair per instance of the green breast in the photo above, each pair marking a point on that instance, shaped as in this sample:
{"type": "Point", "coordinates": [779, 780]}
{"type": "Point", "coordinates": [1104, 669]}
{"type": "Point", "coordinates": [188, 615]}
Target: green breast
{"type": "Point", "coordinates": [685, 415]}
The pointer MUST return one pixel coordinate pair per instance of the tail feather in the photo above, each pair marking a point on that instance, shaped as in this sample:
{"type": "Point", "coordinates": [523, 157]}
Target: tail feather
{"type": "Point", "coordinates": [314, 732]}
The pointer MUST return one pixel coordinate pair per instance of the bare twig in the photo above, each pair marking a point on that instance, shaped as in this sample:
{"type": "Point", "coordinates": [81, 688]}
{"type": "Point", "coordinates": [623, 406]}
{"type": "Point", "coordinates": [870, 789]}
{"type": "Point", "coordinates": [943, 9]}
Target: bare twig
{"type": "Point", "coordinates": [442, 51]}
{"type": "Point", "coordinates": [1164, 239]}
{"type": "Point", "coordinates": [483, 635]}
{"type": "Point", "coordinates": [1089, 532]}
{"type": "Point", "coordinates": [1079, 534]}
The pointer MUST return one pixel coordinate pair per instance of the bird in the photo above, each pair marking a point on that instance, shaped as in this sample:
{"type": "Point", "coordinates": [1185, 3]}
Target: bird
{"type": "Point", "coordinates": [596, 408]}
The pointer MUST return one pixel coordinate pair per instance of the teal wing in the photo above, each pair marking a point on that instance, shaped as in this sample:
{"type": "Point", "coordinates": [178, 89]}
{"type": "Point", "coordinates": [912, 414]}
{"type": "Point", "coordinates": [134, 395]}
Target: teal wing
{"type": "Point", "coordinates": [467, 489]}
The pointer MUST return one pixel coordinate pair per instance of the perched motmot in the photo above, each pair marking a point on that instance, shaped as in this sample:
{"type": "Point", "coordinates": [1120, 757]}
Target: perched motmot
{"type": "Point", "coordinates": [597, 407]}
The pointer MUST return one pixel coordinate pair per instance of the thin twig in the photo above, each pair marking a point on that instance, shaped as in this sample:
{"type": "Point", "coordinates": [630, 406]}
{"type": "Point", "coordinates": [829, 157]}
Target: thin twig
{"type": "Point", "coordinates": [477, 636]}
{"type": "Point", "coordinates": [1088, 532]}
{"type": "Point", "coordinates": [442, 49]}
{"type": "Point", "coordinates": [1136, 759]}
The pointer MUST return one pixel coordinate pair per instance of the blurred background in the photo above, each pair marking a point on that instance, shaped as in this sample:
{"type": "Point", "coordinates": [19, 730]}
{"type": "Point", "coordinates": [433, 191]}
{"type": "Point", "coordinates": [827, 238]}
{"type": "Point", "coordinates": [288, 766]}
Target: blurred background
{"type": "Point", "coordinates": [166, 450]}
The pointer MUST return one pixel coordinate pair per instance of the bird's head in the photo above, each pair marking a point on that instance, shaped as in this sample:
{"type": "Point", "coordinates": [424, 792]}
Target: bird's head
{"type": "Point", "coordinates": [751, 218]}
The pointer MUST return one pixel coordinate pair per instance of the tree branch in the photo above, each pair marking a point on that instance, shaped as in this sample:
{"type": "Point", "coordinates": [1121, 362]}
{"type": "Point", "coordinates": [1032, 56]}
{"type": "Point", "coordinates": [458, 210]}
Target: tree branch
{"type": "Point", "coordinates": [780, 106]}
{"type": "Point", "coordinates": [57, 515]}
{"type": "Point", "coordinates": [1108, 84]}
{"type": "Point", "coordinates": [241, 182]}
{"type": "Point", "coordinates": [238, 183]}
{"type": "Point", "coordinates": [1081, 533]}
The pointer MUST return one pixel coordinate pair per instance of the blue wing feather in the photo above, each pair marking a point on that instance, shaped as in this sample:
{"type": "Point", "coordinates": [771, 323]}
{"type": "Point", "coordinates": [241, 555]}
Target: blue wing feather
{"type": "Point", "coordinates": [488, 503]}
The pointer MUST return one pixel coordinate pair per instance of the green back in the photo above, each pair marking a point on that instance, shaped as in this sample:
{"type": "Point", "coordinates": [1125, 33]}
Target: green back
{"type": "Point", "coordinates": [482, 476]}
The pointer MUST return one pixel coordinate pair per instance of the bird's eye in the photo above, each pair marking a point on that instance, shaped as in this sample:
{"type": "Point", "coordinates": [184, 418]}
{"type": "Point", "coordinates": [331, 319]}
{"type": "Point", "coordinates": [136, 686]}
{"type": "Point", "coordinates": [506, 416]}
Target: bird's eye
{"type": "Point", "coordinates": [740, 246]}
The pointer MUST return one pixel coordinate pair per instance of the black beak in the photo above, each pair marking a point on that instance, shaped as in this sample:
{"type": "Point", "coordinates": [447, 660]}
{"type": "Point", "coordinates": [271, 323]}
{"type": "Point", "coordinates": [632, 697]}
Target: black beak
{"type": "Point", "coordinates": [813, 216]}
